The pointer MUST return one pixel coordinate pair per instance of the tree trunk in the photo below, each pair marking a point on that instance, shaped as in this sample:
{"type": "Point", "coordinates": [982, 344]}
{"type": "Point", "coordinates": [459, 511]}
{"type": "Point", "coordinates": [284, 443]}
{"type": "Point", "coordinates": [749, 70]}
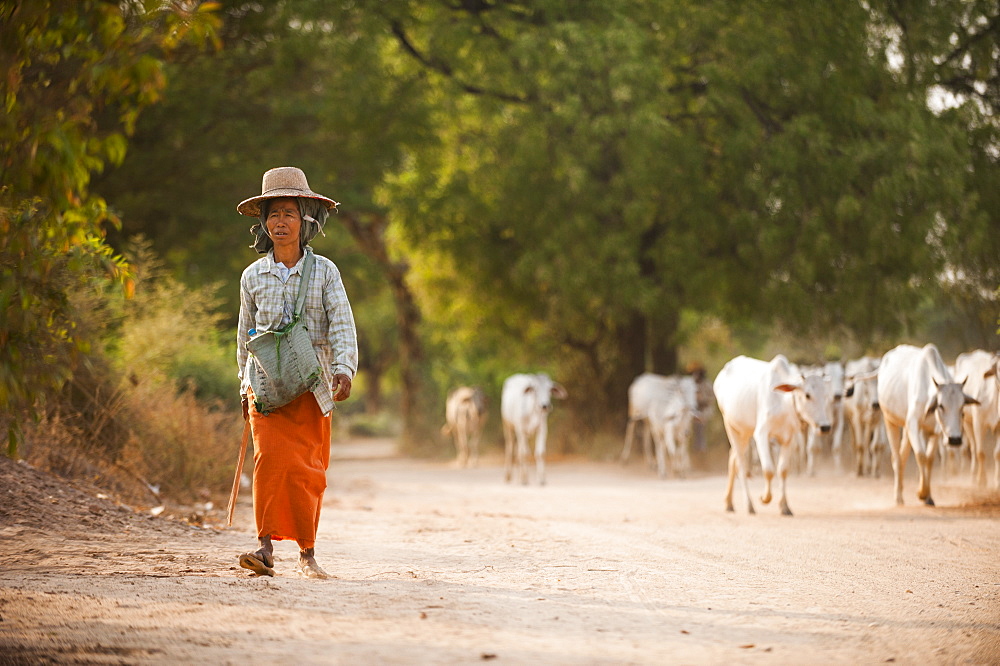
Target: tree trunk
{"type": "Point", "coordinates": [410, 354]}
{"type": "Point", "coordinates": [629, 361]}
{"type": "Point", "coordinates": [373, 390]}
{"type": "Point", "coordinates": [369, 233]}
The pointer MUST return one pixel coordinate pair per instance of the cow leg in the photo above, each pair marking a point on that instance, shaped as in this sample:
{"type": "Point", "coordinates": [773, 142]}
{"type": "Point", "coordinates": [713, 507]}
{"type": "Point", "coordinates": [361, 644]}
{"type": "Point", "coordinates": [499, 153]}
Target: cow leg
{"type": "Point", "coordinates": [933, 443]}
{"type": "Point", "coordinates": [838, 435]}
{"type": "Point", "coordinates": [801, 455]}
{"type": "Point", "coordinates": [474, 445]}
{"type": "Point", "coordinates": [878, 443]}
{"type": "Point", "coordinates": [872, 449]}
{"type": "Point", "coordinates": [508, 450]}
{"type": "Point", "coordinates": [522, 456]}
{"type": "Point", "coordinates": [669, 448]}
{"type": "Point", "coordinates": [784, 460]}
{"type": "Point", "coordinates": [737, 465]}
{"type": "Point", "coordinates": [763, 441]}
{"type": "Point", "coordinates": [659, 448]}
{"type": "Point", "coordinates": [900, 452]}
{"type": "Point", "coordinates": [647, 444]}
{"type": "Point", "coordinates": [923, 453]}
{"type": "Point", "coordinates": [996, 462]}
{"type": "Point", "coordinates": [680, 454]}
{"type": "Point", "coordinates": [732, 478]}
{"type": "Point", "coordinates": [660, 444]}
{"type": "Point", "coordinates": [462, 442]}
{"type": "Point", "coordinates": [629, 436]}
{"type": "Point", "coordinates": [862, 448]}
{"type": "Point", "coordinates": [540, 438]}
{"type": "Point", "coordinates": [812, 447]}
{"type": "Point", "coordinates": [980, 435]}
{"type": "Point", "coordinates": [739, 448]}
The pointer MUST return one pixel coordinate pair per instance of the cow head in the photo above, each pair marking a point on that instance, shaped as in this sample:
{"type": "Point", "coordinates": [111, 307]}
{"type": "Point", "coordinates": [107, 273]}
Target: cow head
{"type": "Point", "coordinates": [947, 404]}
{"type": "Point", "coordinates": [863, 390]}
{"type": "Point", "coordinates": [544, 389]}
{"type": "Point", "coordinates": [813, 400]}
{"type": "Point", "coordinates": [835, 371]}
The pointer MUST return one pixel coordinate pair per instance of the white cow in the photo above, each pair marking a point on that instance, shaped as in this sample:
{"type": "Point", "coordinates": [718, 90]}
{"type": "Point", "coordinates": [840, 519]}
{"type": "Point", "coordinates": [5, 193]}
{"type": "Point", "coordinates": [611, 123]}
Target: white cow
{"type": "Point", "coordinates": [953, 457]}
{"type": "Point", "coordinates": [976, 370]}
{"type": "Point", "coordinates": [648, 390]}
{"type": "Point", "coordinates": [920, 404]}
{"type": "Point", "coordinates": [671, 422]}
{"type": "Point", "coordinates": [834, 372]}
{"type": "Point", "coordinates": [765, 401]}
{"type": "Point", "coordinates": [861, 411]}
{"type": "Point", "coordinates": [995, 373]}
{"type": "Point", "coordinates": [525, 404]}
{"type": "Point", "coordinates": [465, 416]}
{"type": "Point", "coordinates": [704, 401]}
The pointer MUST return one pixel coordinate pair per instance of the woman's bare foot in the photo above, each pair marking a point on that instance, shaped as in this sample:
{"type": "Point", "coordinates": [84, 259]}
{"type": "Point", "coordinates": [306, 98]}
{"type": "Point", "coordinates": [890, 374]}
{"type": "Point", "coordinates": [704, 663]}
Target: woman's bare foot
{"type": "Point", "coordinates": [308, 566]}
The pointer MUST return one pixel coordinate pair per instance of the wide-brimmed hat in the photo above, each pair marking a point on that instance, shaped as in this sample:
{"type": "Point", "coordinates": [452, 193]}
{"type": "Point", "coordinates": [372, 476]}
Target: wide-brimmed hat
{"type": "Point", "coordinates": [282, 182]}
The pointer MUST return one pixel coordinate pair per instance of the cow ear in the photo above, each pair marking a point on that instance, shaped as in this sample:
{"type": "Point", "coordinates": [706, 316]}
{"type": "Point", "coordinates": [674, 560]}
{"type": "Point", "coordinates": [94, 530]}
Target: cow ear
{"type": "Point", "coordinates": [786, 388]}
{"type": "Point", "coordinates": [559, 391]}
{"type": "Point", "coordinates": [969, 400]}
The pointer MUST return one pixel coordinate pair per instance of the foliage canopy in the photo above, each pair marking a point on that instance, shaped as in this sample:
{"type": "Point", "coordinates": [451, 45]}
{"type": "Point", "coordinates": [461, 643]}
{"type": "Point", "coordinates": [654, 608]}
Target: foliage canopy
{"type": "Point", "coordinates": [581, 187]}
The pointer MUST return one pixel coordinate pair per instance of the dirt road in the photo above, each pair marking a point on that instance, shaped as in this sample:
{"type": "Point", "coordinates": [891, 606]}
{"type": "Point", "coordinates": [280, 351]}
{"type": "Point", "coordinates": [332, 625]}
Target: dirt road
{"type": "Point", "coordinates": [435, 565]}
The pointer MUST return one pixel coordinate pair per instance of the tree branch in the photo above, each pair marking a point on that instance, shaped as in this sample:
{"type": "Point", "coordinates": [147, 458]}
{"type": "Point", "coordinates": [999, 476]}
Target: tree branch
{"type": "Point", "coordinates": [971, 38]}
{"type": "Point", "coordinates": [446, 70]}
{"type": "Point", "coordinates": [760, 110]}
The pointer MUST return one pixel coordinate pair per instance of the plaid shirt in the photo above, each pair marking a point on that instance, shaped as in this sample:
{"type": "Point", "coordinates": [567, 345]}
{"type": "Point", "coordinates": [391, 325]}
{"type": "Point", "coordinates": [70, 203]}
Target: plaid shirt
{"type": "Point", "coordinates": [264, 299]}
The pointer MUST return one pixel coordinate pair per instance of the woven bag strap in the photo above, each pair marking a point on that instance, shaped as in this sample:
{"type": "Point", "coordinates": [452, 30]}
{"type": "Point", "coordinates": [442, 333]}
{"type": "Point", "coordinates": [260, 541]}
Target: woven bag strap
{"type": "Point", "coordinates": [304, 283]}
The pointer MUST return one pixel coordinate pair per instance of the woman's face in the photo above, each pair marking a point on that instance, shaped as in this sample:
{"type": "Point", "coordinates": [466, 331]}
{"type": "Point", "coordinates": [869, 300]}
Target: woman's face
{"type": "Point", "coordinates": [284, 222]}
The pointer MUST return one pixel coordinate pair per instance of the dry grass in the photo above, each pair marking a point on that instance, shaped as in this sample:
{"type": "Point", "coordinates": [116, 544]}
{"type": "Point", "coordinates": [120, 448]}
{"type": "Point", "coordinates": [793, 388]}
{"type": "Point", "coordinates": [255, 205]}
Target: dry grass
{"type": "Point", "coordinates": [147, 443]}
{"type": "Point", "coordinates": [142, 415]}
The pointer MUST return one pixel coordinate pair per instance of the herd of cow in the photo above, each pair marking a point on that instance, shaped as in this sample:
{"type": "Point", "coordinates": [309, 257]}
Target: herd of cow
{"type": "Point", "coordinates": [907, 400]}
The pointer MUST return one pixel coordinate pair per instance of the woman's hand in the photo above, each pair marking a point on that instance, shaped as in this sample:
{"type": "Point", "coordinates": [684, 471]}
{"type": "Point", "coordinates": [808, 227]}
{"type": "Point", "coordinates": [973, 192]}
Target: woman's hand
{"type": "Point", "coordinates": [341, 388]}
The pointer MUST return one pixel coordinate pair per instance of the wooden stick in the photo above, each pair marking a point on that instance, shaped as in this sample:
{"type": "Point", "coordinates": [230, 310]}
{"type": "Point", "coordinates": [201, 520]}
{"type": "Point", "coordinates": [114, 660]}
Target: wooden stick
{"type": "Point", "coordinates": [239, 473]}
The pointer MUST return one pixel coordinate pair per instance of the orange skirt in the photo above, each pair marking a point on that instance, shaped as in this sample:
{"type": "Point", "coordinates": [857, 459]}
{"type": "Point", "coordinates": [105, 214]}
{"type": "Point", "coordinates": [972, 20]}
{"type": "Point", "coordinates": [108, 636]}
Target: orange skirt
{"type": "Point", "coordinates": [291, 454]}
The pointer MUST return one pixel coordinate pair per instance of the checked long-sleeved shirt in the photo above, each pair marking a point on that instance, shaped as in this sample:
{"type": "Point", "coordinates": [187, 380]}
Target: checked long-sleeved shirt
{"type": "Point", "coordinates": [267, 302]}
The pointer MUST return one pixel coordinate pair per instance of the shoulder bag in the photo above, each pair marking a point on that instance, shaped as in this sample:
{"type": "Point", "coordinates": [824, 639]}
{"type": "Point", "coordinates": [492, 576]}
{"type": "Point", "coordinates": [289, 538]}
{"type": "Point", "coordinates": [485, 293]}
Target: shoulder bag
{"type": "Point", "coordinates": [285, 363]}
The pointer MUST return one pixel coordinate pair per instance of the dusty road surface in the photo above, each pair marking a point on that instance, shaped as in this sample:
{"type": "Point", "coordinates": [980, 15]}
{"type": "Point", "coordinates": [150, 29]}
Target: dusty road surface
{"type": "Point", "coordinates": [436, 565]}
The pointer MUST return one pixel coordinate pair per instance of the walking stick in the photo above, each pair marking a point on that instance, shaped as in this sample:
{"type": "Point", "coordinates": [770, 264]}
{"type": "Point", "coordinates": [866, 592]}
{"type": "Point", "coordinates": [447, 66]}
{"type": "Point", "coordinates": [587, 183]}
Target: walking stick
{"type": "Point", "coordinates": [239, 473]}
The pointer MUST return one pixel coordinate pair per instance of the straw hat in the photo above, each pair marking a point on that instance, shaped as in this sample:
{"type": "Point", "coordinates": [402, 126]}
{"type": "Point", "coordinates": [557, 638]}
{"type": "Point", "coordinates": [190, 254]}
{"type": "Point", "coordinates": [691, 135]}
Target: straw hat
{"type": "Point", "coordinates": [282, 182]}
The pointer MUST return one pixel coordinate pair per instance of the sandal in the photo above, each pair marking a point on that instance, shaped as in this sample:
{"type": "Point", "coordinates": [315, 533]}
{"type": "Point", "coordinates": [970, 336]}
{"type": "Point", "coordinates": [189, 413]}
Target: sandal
{"type": "Point", "coordinates": [260, 563]}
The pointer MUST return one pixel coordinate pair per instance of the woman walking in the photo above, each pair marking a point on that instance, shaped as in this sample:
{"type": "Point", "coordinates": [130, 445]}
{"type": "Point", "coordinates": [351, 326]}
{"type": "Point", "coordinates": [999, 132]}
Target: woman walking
{"type": "Point", "coordinates": [292, 442]}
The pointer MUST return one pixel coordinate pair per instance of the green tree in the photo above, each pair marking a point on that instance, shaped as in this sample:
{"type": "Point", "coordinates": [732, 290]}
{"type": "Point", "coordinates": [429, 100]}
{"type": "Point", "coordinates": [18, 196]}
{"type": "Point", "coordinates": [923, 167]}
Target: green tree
{"type": "Point", "coordinates": [947, 52]}
{"type": "Point", "coordinates": [304, 84]}
{"type": "Point", "coordinates": [75, 78]}
{"type": "Point", "coordinates": [568, 186]}
{"type": "Point", "coordinates": [605, 169]}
